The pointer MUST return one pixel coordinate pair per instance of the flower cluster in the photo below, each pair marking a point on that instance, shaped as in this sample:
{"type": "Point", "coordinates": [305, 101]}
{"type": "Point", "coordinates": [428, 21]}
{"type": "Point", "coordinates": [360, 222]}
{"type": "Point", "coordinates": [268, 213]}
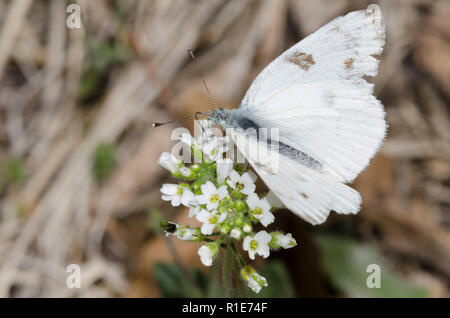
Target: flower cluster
{"type": "Point", "coordinates": [221, 195]}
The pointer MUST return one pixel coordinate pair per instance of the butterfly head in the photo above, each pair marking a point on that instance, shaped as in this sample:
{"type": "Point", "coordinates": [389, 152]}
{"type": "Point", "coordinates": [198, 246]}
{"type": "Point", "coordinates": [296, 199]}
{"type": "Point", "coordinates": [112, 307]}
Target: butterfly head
{"type": "Point", "coordinates": [220, 116]}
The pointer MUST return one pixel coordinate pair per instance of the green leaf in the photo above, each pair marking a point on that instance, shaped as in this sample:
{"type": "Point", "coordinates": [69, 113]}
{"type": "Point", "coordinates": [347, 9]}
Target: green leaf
{"type": "Point", "coordinates": [12, 172]}
{"type": "Point", "coordinates": [346, 262]}
{"type": "Point", "coordinates": [104, 161]}
{"type": "Point", "coordinates": [278, 280]}
{"type": "Point", "coordinates": [15, 171]}
{"type": "Point", "coordinates": [102, 58]}
{"type": "Point", "coordinates": [173, 283]}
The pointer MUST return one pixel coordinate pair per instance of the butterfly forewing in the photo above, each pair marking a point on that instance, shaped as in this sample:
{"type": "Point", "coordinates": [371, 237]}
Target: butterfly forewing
{"type": "Point", "coordinates": [318, 96]}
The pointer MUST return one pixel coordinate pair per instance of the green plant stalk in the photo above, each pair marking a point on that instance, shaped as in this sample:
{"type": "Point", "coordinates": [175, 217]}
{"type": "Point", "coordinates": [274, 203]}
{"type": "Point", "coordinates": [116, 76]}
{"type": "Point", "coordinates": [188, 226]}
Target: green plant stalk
{"type": "Point", "coordinates": [238, 255]}
{"type": "Point", "coordinates": [240, 261]}
{"type": "Point", "coordinates": [227, 271]}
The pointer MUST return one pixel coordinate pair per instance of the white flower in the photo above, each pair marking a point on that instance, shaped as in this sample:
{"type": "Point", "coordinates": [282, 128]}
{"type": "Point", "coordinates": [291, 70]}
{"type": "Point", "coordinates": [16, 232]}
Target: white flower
{"type": "Point", "coordinates": [211, 145]}
{"type": "Point", "coordinates": [214, 147]}
{"type": "Point", "coordinates": [244, 184]}
{"type": "Point", "coordinates": [188, 140]}
{"type": "Point", "coordinates": [223, 169]}
{"type": "Point", "coordinates": [236, 233]}
{"type": "Point", "coordinates": [169, 161]}
{"type": "Point", "coordinates": [260, 209]}
{"type": "Point", "coordinates": [210, 220]}
{"type": "Point", "coordinates": [178, 194]}
{"type": "Point", "coordinates": [194, 211]}
{"type": "Point", "coordinates": [247, 228]}
{"type": "Point", "coordinates": [186, 172]}
{"type": "Point", "coordinates": [186, 233]}
{"type": "Point", "coordinates": [255, 281]}
{"type": "Point", "coordinates": [207, 253]}
{"type": "Point", "coordinates": [258, 244]}
{"type": "Point", "coordinates": [211, 195]}
{"type": "Point", "coordinates": [284, 240]}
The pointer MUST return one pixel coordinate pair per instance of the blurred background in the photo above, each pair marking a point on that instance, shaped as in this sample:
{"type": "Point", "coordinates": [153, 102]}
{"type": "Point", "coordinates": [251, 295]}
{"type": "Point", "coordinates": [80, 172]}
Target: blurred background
{"type": "Point", "coordinates": [79, 183]}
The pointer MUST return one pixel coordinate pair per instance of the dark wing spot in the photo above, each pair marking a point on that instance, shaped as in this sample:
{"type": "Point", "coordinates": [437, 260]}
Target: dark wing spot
{"type": "Point", "coordinates": [349, 63]}
{"type": "Point", "coordinates": [376, 56]}
{"type": "Point", "coordinates": [303, 60]}
{"type": "Point", "coordinates": [372, 10]}
{"type": "Point", "coordinates": [379, 37]}
{"type": "Point", "coordinates": [304, 195]}
{"type": "Point", "coordinates": [264, 168]}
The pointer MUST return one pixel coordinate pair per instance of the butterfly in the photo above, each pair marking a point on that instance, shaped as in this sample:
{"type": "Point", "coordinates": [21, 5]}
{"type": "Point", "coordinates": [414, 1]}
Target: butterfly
{"type": "Point", "coordinates": [317, 96]}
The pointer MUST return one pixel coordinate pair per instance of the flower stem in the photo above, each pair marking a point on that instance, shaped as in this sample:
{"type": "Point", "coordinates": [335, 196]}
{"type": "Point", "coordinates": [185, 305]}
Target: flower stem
{"type": "Point", "coordinates": [227, 270]}
{"type": "Point", "coordinates": [238, 255]}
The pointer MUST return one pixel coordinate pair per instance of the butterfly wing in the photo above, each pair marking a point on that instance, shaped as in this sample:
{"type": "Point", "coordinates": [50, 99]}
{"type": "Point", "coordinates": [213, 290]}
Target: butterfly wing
{"type": "Point", "coordinates": [317, 94]}
{"type": "Point", "coordinates": [309, 193]}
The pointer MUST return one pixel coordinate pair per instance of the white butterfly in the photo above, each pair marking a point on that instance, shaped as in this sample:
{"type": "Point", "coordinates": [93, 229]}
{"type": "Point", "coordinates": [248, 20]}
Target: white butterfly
{"type": "Point", "coordinates": [330, 124]}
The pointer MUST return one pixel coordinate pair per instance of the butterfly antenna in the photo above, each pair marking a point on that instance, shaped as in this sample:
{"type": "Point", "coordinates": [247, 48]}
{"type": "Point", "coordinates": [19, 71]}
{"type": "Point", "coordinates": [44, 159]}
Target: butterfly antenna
{"type": "Point", "coordinates": [178, 119]}
{"type": "Point", "coordinates": [191, 54]}
{"type": "Point", "coordinates": [172, 121]}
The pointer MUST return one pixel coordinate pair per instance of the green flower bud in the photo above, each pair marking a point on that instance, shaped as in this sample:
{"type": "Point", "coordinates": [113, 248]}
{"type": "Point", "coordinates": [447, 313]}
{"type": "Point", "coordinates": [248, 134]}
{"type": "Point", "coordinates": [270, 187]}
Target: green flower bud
{"type": "Point", "coordinates": [253, 279]}
{"type": "Point", "coordinates": [196, 186]}
{"type": "Point", "coordinates": [247, 228]}
{"type": "Point", "coordinates": [237, 194]}
{"type": "Point", "coordinates": [196, 167]}
{"type": "Point", "coordinates": [240, 205]}
{"type": "Point", "coordinates": [239, 221]}
{"type": "Point", "coordinates": [282, 240]}
{"type": "Point", "coordinates": [225, 228]}
{"type": "Point", "coordinates": [221, 209]}
{"type": "Point", "coordinates": [236, 233]}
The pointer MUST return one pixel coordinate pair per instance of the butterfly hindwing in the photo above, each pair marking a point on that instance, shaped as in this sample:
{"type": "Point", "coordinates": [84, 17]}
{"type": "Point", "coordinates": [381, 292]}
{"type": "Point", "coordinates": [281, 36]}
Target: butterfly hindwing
{"type": "Point", "coordinates": [308, 193]}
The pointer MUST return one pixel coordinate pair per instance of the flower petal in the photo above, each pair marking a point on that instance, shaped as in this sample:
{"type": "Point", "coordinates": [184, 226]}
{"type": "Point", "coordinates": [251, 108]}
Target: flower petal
{"type": "Point", "coordinates": [263, 250]}
{"type": "Point", "coordinates": [234, 176]}
{"type": "Point", "coordinates": [205, 255]}
{"type": "Point", "coordinates": [246, 243]}
{"type": "Point", "coordinates": [267, 218]}
{"type": "Point", "coordinates": [169, 189]}
{"type": "Point", "coordinates": [263, 237]}
{"type": "Point", "coordinates": [252, 201]}
{"type": "Point", "coordinates": [223, 169]}
{"type": "Point", "coordinates": [245, 178]}
{"type": "Point", "coordinates": [222, 191]}
{"type": "Point", "coordinates": [212, 205]}
{"type": "Point", "coordinates": [208, 189]}
{"type": "Point", "coordinates": [248, 189]}
{"type": "Point", "coordinates": [222, 217]}
{"type": "Point", "coordinates": [207, 228]}
{"type": "Point", "coordinates": [203, 216]}
{"type": "Point", "coordinates": [264, 204]}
